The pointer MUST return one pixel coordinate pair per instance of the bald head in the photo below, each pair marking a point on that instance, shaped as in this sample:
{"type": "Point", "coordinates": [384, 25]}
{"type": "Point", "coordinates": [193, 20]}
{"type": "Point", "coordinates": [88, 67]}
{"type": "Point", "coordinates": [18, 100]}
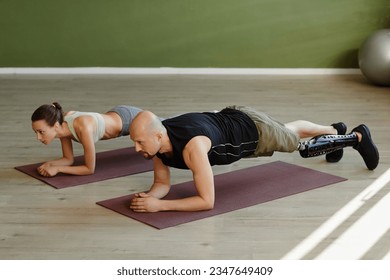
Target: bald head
{"type": "Point", "coordinates": [145, 121]}
{"type": "Point", "coordinates": [146, 130]}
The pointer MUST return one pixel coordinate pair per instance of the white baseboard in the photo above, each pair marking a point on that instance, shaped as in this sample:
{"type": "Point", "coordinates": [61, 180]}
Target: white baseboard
{"type": "Point", "coordinates": [176, 71]}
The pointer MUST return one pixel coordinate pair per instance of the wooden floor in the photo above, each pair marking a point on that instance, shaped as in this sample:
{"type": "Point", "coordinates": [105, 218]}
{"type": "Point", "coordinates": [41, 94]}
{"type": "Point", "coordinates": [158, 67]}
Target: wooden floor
{"type": "Point", "coordinates": [40, 222]}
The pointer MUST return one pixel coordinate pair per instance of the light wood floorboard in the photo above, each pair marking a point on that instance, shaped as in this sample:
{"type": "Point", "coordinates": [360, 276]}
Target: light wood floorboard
{"type": "Point", "coordinates": [40, 222]}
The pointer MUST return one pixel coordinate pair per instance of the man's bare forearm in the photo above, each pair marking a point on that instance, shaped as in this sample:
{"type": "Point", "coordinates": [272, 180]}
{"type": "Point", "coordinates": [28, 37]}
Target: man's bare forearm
{"type": "Point", "coordinates": [159, 190]}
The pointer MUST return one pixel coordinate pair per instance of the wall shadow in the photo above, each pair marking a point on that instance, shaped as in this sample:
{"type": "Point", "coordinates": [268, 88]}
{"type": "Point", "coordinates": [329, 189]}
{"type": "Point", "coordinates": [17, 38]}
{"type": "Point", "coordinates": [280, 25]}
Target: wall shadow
{"type": "Point", "coordinates": [347, 59]}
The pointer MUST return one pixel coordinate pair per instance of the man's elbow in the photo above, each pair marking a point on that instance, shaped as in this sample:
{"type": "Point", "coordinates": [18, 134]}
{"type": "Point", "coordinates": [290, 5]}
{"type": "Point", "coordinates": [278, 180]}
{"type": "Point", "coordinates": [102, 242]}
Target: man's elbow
{"type": "Point", "coordinates": [90, 171]}
{"type": "Point", "coordinates": [209, 205]}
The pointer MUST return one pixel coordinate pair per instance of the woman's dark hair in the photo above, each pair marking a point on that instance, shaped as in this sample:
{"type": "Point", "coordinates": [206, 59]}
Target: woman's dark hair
{"type": "Point", "coordinates": [50, 113]}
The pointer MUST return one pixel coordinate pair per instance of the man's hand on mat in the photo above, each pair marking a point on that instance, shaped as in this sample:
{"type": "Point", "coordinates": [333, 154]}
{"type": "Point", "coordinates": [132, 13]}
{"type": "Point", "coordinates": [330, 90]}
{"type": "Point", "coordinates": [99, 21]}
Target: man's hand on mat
{"type": "Point", "coordinates": [143, 202]}
{"type": "Point", "coordinates": [47, 170]}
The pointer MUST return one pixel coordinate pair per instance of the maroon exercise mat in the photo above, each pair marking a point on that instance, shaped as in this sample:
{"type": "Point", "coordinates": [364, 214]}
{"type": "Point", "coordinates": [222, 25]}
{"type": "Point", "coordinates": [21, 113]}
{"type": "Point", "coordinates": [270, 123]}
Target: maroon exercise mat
{"type": "Point", "coordinates": [233, 190]}
{"type": "Point", "coordinates": [110, 164]}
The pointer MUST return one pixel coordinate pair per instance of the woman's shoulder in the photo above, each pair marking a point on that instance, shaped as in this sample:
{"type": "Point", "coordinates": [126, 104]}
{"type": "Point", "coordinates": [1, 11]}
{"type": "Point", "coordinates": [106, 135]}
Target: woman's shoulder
{"type": "Point", "coordinates": [78, 118]}
{"type": "Point", "coordinates": [78, 115]}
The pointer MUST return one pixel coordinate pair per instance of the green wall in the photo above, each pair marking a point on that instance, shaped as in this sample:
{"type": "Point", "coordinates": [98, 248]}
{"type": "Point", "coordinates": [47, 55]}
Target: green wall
{"type": "Point", "coordinates": [181, 33]}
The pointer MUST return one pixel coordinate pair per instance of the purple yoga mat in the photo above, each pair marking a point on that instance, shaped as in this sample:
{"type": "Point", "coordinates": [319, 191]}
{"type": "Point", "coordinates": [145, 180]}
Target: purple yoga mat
{"type": "Point", "coordinates": [233, 190]}
{"type": "Point", "coordinates": [110, 164]}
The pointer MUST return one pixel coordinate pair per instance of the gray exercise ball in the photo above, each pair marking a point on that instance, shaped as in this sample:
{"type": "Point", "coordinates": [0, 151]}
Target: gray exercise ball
{"type": "Point", "coordinates": [374, 58]}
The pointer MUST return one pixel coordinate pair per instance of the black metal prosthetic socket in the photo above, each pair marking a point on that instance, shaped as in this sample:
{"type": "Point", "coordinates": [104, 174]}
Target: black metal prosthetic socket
{"type": "Point", "coordinates": [324, 144]}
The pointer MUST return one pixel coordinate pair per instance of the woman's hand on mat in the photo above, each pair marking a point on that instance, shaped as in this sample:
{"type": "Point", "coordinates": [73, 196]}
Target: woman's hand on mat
{"type": "Point", "coordinates": [47, 170]}
{"type": "Point", "coordinates": [143, 202]}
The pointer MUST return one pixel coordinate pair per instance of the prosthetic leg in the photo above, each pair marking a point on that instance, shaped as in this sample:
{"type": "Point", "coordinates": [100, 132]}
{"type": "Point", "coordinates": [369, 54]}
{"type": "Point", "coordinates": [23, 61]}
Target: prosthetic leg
{"type": "Point", "coordinates": [324, 144]}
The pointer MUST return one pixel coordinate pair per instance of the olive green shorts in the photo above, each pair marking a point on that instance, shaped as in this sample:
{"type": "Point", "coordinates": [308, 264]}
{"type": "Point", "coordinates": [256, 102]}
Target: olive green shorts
{"type": "Point", "coordinates": [273, 135]}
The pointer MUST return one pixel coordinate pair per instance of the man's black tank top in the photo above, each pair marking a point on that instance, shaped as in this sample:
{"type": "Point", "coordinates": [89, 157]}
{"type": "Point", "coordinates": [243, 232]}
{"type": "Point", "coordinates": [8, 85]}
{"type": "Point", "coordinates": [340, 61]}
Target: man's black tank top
{"type": "Point", "coordinates": [232, 133]}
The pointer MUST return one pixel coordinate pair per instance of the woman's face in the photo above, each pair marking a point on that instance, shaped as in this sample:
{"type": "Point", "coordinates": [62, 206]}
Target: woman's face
{"type": "Point", "coordinates": [44, 132]}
